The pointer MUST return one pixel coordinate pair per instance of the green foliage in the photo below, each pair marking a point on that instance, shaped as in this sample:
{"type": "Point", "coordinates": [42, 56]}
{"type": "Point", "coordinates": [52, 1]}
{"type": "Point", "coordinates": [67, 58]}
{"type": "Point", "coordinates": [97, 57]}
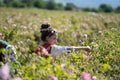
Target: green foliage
{"type": "Point", "coordinates": [91, 9]}
{"type": "Point", "coordinates": [50, 5]}
{"type": "Point", "coordinates": [39, 4]}
{"type": "Point", "coordinates": [2, 51]}
{"type": "Point", "coordinates": [29, 3]}
{"type": "Point", "coordinates": [17, 4]}
{"type": "Point", "coordinates": [21, 28]}
{"type": "Point", "coordinates": [59, 6]}
{"type": "Point", "coordinates": [2, 3]}
{"type": "Point", "coordinates": [70, 6]}
{"type": "Point", "coordinates": [118, 9]}
{"type": "Point", "coordinates": [106, 8]}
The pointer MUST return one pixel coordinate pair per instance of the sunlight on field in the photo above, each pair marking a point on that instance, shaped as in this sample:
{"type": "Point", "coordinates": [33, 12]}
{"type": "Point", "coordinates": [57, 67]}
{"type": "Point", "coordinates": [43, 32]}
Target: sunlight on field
{"type": "Point", "coordinates": [21, 27]}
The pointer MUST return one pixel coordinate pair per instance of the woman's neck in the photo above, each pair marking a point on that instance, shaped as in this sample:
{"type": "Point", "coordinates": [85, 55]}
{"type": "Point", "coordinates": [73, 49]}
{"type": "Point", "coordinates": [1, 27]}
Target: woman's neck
{"type": "Point", "coordinates": [48, 43]}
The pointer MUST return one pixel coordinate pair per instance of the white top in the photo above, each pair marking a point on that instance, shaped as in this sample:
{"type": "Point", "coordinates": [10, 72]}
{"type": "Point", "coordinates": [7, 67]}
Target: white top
{"type": "Point", "coordinates": [12, 55]}
{"type": "Point", "coordinates": [59, 50]}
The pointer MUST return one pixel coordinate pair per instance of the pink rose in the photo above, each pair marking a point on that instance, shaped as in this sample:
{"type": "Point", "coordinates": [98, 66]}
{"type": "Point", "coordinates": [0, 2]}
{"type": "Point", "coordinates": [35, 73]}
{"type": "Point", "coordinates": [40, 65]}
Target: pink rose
{"type": "Point", "coordinates": [86, 76]}
{"type": "Point", "coordinates": [5, 72]}
{"type": "Point", "coordinates": [1, 34]}
{"type": "Point", "coordinates": [53, 78]}
{"type": "Point", "coordinates": [63, 66]}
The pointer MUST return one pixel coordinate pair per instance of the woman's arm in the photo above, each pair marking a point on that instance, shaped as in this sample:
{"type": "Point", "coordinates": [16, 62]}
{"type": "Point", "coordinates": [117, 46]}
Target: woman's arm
{"type": "Point", "coordinates": [85, 48]}
{"type": "Point", "coordinates": [58, 50]}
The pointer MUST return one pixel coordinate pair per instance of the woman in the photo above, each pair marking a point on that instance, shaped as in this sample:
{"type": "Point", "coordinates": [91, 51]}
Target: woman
{"type": "Point", "coordinates": [49, 45]}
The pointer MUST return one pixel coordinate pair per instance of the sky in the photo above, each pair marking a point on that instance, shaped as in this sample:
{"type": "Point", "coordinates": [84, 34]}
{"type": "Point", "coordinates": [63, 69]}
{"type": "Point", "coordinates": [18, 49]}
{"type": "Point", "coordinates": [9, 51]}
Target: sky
{"type": "Point", "coordinates": [91, 3]}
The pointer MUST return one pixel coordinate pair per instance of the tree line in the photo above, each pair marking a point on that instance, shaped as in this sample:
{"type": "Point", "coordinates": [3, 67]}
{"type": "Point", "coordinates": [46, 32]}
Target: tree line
{"type": "Point", "coordinates": [103, 8]}
{"type": "Point", "coordinates": [52, 5]}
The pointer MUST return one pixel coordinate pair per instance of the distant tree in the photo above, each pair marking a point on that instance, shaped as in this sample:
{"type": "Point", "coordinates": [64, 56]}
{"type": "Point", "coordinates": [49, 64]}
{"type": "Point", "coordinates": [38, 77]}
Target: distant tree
{"type": "Point", "coordinates": [2, 3]}
{"type": "Point", "coordinates": [39, 3]}
{"type": "Point", "coordinates": [70, 6]}
{"type": "Point", "coordinates": [117, 9]}
{"type": "Point", "coordinates": [50, 5]}
{"type": "Point", "coordinates": [29, 3]}
{"type": "Point", "coordinates": [7, 2]}
{"type": "Point", "coordinates": [106, 8]}
{"type": "Point", "coordinates": [59, 6]}
{"type": "Point", "coordinates": [90, 9]}
{"type": "Point", "coordinates": [17, 4]}
{"type": "Point", "coordinates": [94, 10]}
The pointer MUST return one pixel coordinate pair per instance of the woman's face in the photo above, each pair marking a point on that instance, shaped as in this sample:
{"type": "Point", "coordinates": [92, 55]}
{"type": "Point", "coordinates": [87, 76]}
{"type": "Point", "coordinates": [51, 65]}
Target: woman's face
{"type": "Point", "coordinates": [52, 39]}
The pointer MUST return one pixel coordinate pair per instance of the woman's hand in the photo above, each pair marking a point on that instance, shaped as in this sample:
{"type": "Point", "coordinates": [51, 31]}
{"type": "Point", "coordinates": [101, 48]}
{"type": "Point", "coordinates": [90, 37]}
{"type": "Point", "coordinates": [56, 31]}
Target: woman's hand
{"type": "Point", "coordinates": [87, 48]}
{"type": "Point", "coordinates": [41, 51]}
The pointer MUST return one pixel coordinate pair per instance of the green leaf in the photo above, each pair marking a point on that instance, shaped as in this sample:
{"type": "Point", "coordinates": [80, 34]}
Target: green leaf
{"type": "Point", "coordinates": [105, 67]}
{"type": "Point", "coordinates": [3, 51]}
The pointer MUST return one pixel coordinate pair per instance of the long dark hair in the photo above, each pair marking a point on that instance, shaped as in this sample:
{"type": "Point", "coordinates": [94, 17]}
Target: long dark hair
{"type": "Point", "coordinates": [46, 30]}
